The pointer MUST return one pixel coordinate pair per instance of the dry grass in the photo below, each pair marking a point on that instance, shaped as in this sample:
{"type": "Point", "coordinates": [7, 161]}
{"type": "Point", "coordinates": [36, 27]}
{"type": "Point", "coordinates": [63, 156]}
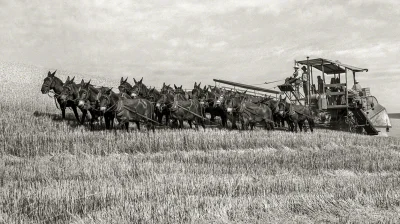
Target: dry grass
{"type": "Point", "coordinates": [53, 171]}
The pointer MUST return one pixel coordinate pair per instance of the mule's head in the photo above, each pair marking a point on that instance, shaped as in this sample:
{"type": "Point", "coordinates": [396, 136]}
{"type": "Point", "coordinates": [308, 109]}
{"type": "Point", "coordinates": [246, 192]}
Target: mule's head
{"type": "Point", "coordinates": [233, 103]}
{"type": "Point", "coordinates": [83, 93]}
{"type": "Point", "coordinates": [166, 89]}
{"type": "Point", "coordinates": [153, 94]}
{"type": "Point", "coordinates": [163, 102]}
{"type": "Point", "coordinates": [219, 99]}
{"type": "Point", "coordinates": [48, 82]}
{"type": "Point", "coordinates": [125, 87]}
{"type": "Point", "coordinates": [67, 91]}
{"type": "Point", "coordinates": [282, 106]}
{"type": "Point", "coordinates": [104, 98]}
{"type": "Point", "coordinates": [139, 89]}
{"type": "Point", "coordinates": [179, 90]}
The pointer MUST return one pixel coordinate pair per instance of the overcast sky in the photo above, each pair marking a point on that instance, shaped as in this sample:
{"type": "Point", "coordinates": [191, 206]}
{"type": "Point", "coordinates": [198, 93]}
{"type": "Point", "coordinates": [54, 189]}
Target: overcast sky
{"type": "Point", "coordinates": [186, 41]}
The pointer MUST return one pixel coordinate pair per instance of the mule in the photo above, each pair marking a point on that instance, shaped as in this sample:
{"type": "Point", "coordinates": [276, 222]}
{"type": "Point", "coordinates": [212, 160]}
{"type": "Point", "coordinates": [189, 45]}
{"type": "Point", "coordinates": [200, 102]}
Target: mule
{"type": "Point", "coordinates": [232, 105]}
{"type": "Point", "coordinates": [87, 99]}
{"type": "Point", "coordinates": [53, 83]}
{"type": "Point", "coordinates": [163, 107]}
{"type": "Point", "coordinates": [70, 93]}
{"type": "Point", "coordinates": [108, 101]}
{"type": "Point", "coordinates": [188, 110]}
{"type": "Point", "coordinates": [135, 110]}
{"type": "Point", "coordinates": [296, 115]}
{"type": "Point", "coordinates": [125, 88]}
{"type": "Point", "coordinates": [251, 113]}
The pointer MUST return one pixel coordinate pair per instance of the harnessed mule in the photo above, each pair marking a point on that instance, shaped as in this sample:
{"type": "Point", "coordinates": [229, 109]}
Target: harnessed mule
{"type": "Point", "coordinates": [87, 99]}
{"type": "Point", "coordinates": [53, 83]}
{"type": "Point", "coordinates": [186, 110]}
{"type": "Point", "coordinates": [70, 93]}
{"type": "Point", "coordinates": [108, 101]}
{"type": "Point", "coordinates": [232, 105]}
{"type": "Point", "coordinates": [296, 115]}
{"type": "Point", "coordinates": [251, 113]}
{"type": "Point", "coordinates": [135, 110]}
{"type": "Point", "coordinates": [163, 107]}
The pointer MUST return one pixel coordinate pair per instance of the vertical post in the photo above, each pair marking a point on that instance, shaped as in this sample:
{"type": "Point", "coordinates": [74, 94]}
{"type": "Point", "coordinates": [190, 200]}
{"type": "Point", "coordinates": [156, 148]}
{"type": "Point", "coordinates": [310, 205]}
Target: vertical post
{"type": "Point", "coordinates": [311, 75]}
{"type": "Point", "coordinates": [354, 77]}
{"type": "Point", "coordinates": [346, 93]}
{"type": "Point", "coordinates": [308, 82]}
{"type": "Point", "coordinates": [323, 76]}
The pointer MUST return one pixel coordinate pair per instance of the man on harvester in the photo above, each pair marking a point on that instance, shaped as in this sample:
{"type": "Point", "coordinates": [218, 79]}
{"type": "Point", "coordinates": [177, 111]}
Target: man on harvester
{"type": "Point", "coordinates": [294, 79]}
{"type": "Point", "coordinates": [304, 78]}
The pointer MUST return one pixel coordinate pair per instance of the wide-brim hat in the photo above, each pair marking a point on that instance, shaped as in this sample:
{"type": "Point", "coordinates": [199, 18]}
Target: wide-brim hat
{"type": "Point", "coordinates": [304, 67]}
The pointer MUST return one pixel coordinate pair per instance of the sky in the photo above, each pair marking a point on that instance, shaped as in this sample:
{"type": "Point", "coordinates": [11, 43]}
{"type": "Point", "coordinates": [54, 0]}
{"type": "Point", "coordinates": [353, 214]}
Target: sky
{"type": "Point", "coordinates": [187, 41]}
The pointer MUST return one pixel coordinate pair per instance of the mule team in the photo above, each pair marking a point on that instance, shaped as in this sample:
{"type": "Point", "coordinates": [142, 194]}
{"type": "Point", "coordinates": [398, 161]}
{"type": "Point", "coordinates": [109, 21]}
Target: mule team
{"type": "Point", "coordinates": [137, 103]}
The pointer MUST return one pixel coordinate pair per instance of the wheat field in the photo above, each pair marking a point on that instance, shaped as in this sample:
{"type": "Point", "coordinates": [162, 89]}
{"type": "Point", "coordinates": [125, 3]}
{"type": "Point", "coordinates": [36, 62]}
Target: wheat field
{"type": "Point", "coordinates": [54, 171]}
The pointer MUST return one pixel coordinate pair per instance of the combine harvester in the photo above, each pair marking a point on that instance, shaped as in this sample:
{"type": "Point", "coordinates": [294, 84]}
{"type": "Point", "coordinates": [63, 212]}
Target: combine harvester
{"type": "Point", "coordinates": [335, 105]}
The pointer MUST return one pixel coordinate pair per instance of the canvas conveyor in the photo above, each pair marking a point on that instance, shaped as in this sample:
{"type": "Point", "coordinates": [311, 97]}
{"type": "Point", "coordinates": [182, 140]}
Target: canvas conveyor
{"type": "Point", "coordinates": [364, 121]}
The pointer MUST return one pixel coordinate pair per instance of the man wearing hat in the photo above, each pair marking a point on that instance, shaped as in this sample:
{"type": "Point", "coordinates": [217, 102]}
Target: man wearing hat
{"type": "Point", "coordinates": [357, 87]}
{"type": "Point", "coordinates": [304, 78]}
{"type": "Point", "coordinates": [296, 76]}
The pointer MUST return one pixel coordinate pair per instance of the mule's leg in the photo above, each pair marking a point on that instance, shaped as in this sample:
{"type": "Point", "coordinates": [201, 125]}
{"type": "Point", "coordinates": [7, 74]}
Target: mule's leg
{"type": "Point", "coordinates": [311, 124]}
{"type": "Point", "coordinates": [138, 125]}
{"type": "Point", "coordinates": [300, 123]}
{"type": "Point", "coordinates": [181, 124]}
{"type": "Point", "coordinates": [75, 112]}
{"type": "Point", "coordinates": [127, 126]}
{"type": "Point", "coordinates": [252, 126]}
{"type": "Point", "coordinates": [159, 116]}
{"type": "Point", "coordinates": [63, 111]}
{"type": "Point", "coordinates": [167, 119]}
{"type": "Point", "coordinates": [212, 117]}
{"type": "Point", "coordinates": [202, 123]}
{"type": "Point", "coordinates": [224, 120]}
{"type": "Point", "coordinates": [107, 121]}
{"type": "Point", "coordinates": [84, 112]}
{"type": "Point", "coordinates": [112, 121]}
{"type": "Point", "coordinates": [234, 126]}
{"type": "Point", "coordinates": [190, 124]}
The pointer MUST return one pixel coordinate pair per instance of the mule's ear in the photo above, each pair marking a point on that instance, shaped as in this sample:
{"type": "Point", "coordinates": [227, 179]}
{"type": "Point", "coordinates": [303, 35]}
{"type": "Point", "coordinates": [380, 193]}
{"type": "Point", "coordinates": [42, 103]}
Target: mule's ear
{"type": "Point", "coordinates": [195, 84]}
{"type": "Point", "coordinates": [67, 79]}
{"type": "Point", "coordinates": [122, 80]}
{"type": "Point", "coordinates": [163, 84]}
{"type": "Point", "coordinates": [141, 81]}
{"type": "Point", "coordinates": [108, 91]}
{"type": "Point", "coordinates": [82, 82]}
{"type": "Point", "coordinates": [51, 74]}
{"type": "Point", "coordinates": [88, 83]}
{"type": "Point", "coordinates": [180, 87]}
{"type": "Point", "coordinates": [199, 84]}
{"type": "Point", "coordinates": [135, 80]}
{"type": "Point", "coordinates": [175, 86]}
{"type": "Point", "coordinates": [126, 79]}
{"type": "Point", "coordinates": [54, 72]}
{"type": "Point", "coordinates": [73, 79]}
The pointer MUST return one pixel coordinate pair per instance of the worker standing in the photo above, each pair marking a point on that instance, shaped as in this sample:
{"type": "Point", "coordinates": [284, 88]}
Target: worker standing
{"type": "Point", "coordinates": [304, 78]}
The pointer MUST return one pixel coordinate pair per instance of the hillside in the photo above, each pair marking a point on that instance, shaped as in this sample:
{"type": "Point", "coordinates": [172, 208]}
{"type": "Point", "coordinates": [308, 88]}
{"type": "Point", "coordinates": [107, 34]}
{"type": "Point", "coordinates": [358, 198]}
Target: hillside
{"type": "Point", "coordinates": [54, 171]}
{"type": "Point", "coordinates": [394, 116]}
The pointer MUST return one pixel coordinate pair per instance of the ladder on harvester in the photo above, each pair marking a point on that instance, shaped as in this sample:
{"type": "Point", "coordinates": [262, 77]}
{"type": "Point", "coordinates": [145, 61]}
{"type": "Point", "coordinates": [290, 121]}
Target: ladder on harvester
{"type": "Point", "coordinates": [291, 93]}
{"type": "Point", "coordinates": [363, 121]}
